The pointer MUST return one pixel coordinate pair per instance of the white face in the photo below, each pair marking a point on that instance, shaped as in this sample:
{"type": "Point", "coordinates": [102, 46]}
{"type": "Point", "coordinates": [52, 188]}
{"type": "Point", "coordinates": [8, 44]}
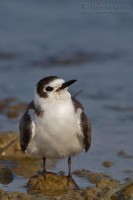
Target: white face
{"type": "Point", "coordinates": [51, 92]}
{"type": "Point", "coordinates": [54, 94]}
{"type": "Point", "coordinates": [54, 85]}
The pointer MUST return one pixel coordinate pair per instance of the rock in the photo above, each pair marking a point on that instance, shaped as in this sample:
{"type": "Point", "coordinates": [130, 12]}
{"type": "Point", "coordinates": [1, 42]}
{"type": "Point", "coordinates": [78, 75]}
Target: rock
{"type": "Point", "coordinates": [95, 177]}
{"type": "Point", "coordinates": [107, 183]}
{"type": "Point", "coordinates": [50, 184]}
{"type": "Point", "coordinates": [10, 100]}
{"type": "Point", "coordinates": [82, 173]}
{"type": "Point", "coordinates": [18, 195]}
{"type": "Point", "coordinates": [9, 144]}
{"type": "Point", "coordinates": [123, 154]}
{"type": "Point", "coordinates": [70, 194]}
{"type": "Point", "coordinates": [91, 193]}
{"type": "Point", "coordinates": [2, 107]}
{"type": "Point", "coordinates": [11, 107]}
{"type": "Point", "coordinates": [126, 193]}
{"type": "Point", "coordinates": [6, 175]}
{"type": "Point", "coordinates": [128, 171]}
{"type": "Point", "coordinates": [107, 163]}
{"type": "Point", "coordinates": [4, 103]}
{"type": "Point", "coordinates": [13, 111]}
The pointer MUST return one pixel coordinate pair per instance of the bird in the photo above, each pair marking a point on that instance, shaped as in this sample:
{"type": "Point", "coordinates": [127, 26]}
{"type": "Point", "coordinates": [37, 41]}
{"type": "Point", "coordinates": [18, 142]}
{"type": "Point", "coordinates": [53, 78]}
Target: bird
{"type": "Point", "coordinates": [54, 124]}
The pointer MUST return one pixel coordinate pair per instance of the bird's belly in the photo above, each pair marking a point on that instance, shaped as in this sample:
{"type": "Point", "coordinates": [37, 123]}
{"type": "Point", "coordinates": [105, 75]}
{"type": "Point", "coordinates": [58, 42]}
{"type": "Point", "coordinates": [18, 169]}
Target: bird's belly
{"type": "Point", "coordinates": [58, 139]}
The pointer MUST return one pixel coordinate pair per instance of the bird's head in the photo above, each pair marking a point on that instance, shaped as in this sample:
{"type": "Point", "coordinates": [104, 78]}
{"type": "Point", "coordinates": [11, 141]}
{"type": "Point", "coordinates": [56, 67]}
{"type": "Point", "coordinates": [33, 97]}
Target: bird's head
{"type": "Point", "coordinates": [53, 88]}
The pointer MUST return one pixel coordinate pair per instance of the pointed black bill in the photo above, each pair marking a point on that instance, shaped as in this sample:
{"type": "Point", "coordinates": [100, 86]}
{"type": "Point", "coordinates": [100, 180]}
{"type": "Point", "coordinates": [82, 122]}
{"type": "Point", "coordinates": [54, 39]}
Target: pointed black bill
{"type": "Point", "coordinates": [66, 84]}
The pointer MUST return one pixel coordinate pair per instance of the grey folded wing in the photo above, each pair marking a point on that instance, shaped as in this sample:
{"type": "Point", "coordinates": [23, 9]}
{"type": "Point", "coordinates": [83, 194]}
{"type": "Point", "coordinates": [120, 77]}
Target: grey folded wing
{"type": "Point", "coordinates": [86, 127]}
{"type": "Point", "coordinates": [84, 124]}
{"type": "Point", "coordinates": [26, 127]}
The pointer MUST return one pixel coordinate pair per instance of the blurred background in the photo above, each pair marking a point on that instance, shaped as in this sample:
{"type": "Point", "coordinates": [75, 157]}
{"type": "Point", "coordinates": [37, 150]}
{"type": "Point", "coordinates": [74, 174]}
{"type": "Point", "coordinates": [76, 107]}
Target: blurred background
{"type": "Point", "coordinates": [91, 41]}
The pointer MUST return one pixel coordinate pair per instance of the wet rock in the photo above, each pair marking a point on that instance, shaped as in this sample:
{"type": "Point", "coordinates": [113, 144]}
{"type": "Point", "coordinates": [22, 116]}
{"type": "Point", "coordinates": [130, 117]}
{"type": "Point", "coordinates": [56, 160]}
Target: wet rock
{"type": "Point", "coordinates": [4, 103]}
{"type": "Point", "coordinates": [50, 184]}
{"type": "Point", "coordinates": [120, 192]}
{"type": "Point", "coordinates": [73, 58]}
{"type": "Point", "coordinates": [75, 195]}
{"type": "Point", "coordinates": [93, 177]}
{"type": "Point", "coordinates": [2, 107]}
{"type": "Point", "coordinates": [107, 183]}
{"type": "Point", "coordinates": [9, 100]}
{"type": "Point", "coordinates": [107, 194]}
{"type": "Point", "coordinates": [6, 175]}
{"type": "Point", "coordinates": [18, 195]}
{"type": "Point", "coordinates": [128, 178]}
{"type": "Point", "coordinates": [127, 193]}
{"type": "Point", "coordinates": [128, 171]}
{"type": "Point", "coordinates": [9, 144]}
{"type": "Point", "coordinates": [11, 107]}
{"type": "Point", "coordinates": [70, 194]}
{"type": "Point", "coordinates": [13, 111]}
{"type": "Point", "coordinates": [91, 193]}
{"type": "Point", "coordinates": [123, 154]}
{"type": "Point", "coordinates": [107, 163]}
{"type": "Point", "coordinates": [82, 173]}
{"type": "Point", "coordinates": [76, 58]}
{"type": "Point", "coordinates": [96, 177]}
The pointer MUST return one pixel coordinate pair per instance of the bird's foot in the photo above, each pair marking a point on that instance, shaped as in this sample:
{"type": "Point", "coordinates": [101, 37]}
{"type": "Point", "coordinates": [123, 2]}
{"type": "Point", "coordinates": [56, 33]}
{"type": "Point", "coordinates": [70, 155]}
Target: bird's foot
{"type": "Point", "coordinates": [43, 173]}
{"type": "Point", "coordinates": [71, 184]}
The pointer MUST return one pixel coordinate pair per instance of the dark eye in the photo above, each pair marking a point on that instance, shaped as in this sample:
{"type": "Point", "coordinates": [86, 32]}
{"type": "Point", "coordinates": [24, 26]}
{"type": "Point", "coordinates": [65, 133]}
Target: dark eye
{"type": "Point", "coordinates": [49, 88]}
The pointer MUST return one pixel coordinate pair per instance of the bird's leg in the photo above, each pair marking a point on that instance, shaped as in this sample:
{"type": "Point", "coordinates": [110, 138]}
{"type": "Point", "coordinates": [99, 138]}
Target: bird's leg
{"type": "Point", "coordinates": [69, 170]}
{"type": "Point", "coordinates": [44, 167]}
{"type": "Point", "coordinates": [70, 182]}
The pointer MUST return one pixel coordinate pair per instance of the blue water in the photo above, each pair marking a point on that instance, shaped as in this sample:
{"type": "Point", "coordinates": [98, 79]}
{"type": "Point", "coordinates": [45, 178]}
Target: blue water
{"type": "Point", "coordinates": [36, 37]}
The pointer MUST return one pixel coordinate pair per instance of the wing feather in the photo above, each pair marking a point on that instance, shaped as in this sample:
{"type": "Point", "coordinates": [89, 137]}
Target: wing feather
{"type": "Point", "coordinates": [86, 127]}
{"type": "Point", "coordinates": [26, 128]}
{"type": "Point", "coordinates": [84, 124]}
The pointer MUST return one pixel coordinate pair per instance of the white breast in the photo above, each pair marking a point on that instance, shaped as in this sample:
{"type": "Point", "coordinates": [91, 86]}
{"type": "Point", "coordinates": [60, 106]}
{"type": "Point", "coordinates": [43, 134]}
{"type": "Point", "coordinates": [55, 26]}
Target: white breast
{"type": "Point", "coordinates": [58, 133]}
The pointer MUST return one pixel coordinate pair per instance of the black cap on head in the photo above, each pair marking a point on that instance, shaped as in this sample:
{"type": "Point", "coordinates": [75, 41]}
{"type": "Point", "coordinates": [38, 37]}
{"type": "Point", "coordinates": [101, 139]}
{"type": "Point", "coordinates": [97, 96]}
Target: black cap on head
{"type": "Point", "coordinates": [41, 84]}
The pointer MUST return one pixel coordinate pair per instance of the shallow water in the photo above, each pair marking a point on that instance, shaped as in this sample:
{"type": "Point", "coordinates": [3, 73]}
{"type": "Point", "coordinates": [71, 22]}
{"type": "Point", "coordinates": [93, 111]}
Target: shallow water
{"type": "Point", "coordinates": [65, 39]}
{"type": "Point", "coordinates": [18, 184]}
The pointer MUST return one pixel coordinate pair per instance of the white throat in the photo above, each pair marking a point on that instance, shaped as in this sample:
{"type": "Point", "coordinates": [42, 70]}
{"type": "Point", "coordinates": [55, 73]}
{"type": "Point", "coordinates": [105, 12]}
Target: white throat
{"type": "Point", "coordinates": [52, 99]}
